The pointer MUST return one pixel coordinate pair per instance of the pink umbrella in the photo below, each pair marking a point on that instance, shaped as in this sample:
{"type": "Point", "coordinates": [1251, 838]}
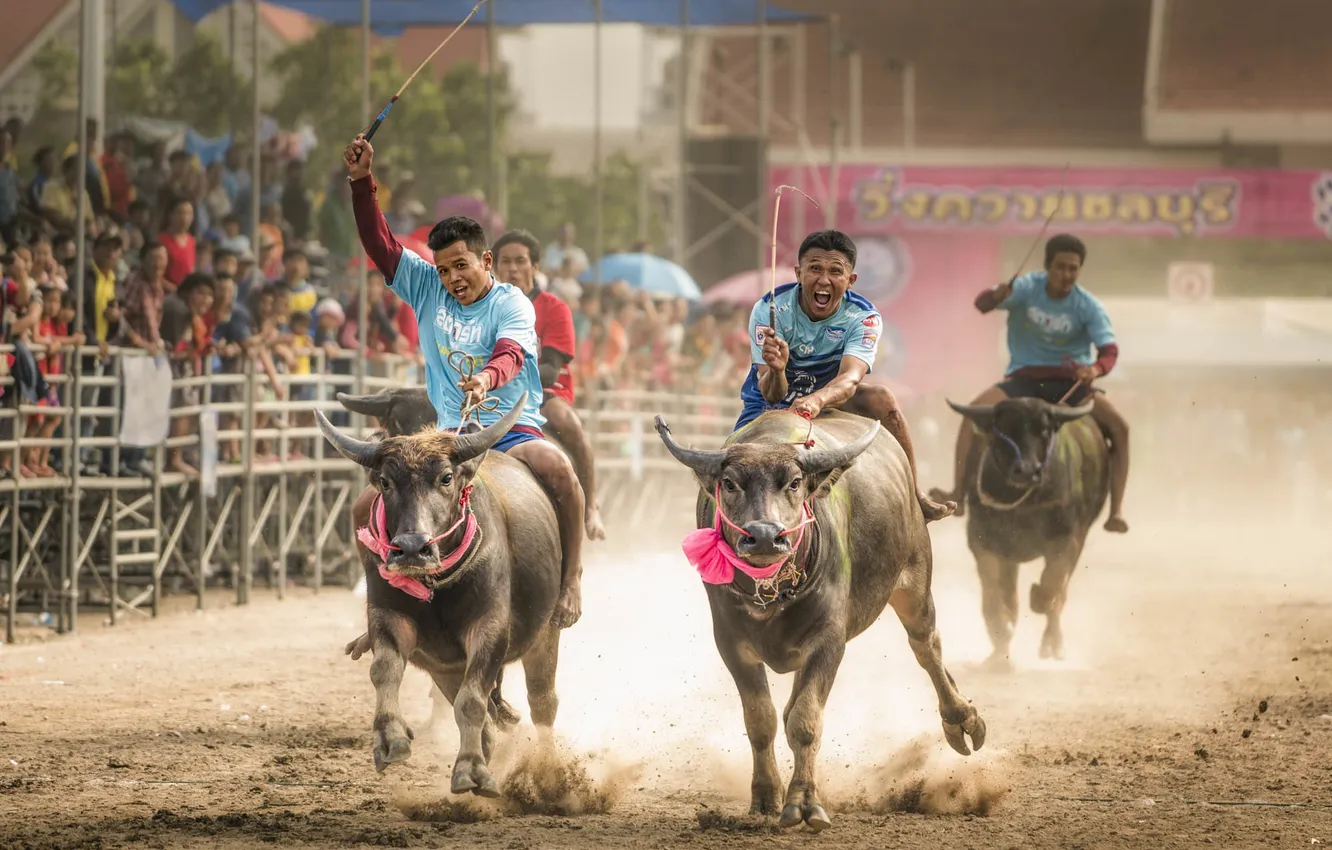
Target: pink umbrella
{"type": "Point", "coordinates": [743, 288]}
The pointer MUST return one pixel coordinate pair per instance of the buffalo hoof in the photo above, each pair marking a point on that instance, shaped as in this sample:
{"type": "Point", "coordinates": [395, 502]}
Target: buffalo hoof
{"type": "Point", "coordinates": [1116, 525]}
{"type": "Point", "coordinates": [1052, 647]}
{"type": "Point", "coordinates": [568, 608]}
{"type": "Point", "coordinates": [764, 804]}
{"type": "Point", "coordinates": [358, 647]}
{"type": "Point", "coordinates": [506, 716]}
{"type": "Point", "coordinates": [1040, 599]}
{"type": "Point", "coordinates": [811, 814]}
{"type": "Point", "coordinates": [474, 777]}
{"type": "Point", "coordinates": [390, 750]}
{"type": "Point", "coordinates": [957, 733]}
{"type": "Point", "coordinates": [791, 816]}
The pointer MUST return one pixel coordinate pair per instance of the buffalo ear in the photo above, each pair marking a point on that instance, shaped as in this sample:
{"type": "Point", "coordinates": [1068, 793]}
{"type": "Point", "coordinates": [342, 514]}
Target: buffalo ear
{"type": "Point", "coordinates": [821, 484]}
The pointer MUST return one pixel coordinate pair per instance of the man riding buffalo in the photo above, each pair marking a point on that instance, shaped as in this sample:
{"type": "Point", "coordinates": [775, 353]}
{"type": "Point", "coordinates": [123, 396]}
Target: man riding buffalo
{"type": "Point", "coordinates": [517, 258]}
{"type": "Point", "coordinates": [1053, 325]}
{"type": "Point", "coordinates": [825, 343]}
{"type": "Point", "coordinates": [479, 340]}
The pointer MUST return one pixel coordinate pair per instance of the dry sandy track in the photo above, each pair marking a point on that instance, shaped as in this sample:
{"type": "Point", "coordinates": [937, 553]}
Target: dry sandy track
{"type": "Point", "coordinates": [1176, 638]}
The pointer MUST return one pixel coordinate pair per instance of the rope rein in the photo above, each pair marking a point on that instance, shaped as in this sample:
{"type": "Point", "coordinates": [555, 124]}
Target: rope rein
{"type": "Point", "coordinates": [466, 366]}
{"type": "Point", "coordinates": [993, 503]}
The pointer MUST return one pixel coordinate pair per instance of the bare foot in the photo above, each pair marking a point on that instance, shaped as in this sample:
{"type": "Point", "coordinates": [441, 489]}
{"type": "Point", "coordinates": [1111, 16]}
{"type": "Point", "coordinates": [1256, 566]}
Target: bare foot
{"type": "Point", "coordinates": [358, 647]}
{"type": "Point", "coordinates": [592, 523]}
{"type": "Point", "coordinates": [1116, 524]}
{"type": "Point", "coordinates": [935, 510]}
{"type": "Point", "coordinates": [944, 497]}
{"type": "Point", "coordinates": [568, 608]}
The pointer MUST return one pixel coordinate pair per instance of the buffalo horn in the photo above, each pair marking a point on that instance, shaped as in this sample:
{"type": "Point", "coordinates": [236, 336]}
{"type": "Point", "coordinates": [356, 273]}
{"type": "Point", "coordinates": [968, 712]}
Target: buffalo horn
{"type": "Point", "coordinates": [363, 452]}
{"type": "Point", "coordinates": [819, 460]}
{"type": "Point", "coordinates": [468, 446]}
{"type": "Point", "coordinates": [973, 411]}
{"type": "Point", "coordinates": [1059, 413]}
{"type": "Point", "coordinates": [704, 464]}
{"type": "Point", "coordinates": [375, 404]}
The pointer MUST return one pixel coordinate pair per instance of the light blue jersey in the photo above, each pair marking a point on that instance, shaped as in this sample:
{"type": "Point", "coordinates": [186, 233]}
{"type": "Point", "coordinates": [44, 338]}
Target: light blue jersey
{"type": "Point", "coordinates": [447, 327]}
{"type": "Point", "coordinates": [817, 348]}
{"type": "Point", "coordinates": [1045, 332]}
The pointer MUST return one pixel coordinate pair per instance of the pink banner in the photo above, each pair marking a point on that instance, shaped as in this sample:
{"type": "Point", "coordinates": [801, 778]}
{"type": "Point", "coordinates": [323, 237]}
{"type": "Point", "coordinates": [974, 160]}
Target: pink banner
{"type": "Point", "coordinates": [1273, 204]}
{"type": "Point", "coordinates": [933, 339]}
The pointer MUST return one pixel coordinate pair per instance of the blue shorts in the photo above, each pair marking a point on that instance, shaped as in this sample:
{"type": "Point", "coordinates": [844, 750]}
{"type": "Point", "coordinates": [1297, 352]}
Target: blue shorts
{"type": "Point", "coordinates": [514, 438]}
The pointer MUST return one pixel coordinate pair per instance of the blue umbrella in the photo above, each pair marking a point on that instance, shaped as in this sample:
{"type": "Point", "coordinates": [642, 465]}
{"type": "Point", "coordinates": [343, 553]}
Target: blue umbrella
{"type": "Point", "coordinates": [647, 272]}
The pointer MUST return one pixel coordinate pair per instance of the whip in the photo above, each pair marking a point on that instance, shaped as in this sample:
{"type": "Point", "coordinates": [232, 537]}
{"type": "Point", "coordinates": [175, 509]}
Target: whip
{"type": "Point", "coordinates": [379, 119]}
{"type": "Point", "coordinates": [772, 286]}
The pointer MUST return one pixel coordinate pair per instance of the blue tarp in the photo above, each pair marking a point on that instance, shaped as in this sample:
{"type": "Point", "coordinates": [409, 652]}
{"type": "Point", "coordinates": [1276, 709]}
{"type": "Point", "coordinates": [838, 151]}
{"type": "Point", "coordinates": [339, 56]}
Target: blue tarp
{"type": "Point", "coordinates": [387, 15]}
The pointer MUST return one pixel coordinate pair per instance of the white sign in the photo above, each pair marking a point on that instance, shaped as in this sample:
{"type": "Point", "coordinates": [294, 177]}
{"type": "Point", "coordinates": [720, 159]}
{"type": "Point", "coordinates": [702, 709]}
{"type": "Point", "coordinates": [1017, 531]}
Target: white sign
{"type": "Point", "coordinates": [1191, 283]}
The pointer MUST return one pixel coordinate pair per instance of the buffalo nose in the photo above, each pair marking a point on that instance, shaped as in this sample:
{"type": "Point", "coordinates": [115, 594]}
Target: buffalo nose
{"type": "Point", "coordinates": [410, 545]}
{"type": "Point", "coordinates": [761, 538]}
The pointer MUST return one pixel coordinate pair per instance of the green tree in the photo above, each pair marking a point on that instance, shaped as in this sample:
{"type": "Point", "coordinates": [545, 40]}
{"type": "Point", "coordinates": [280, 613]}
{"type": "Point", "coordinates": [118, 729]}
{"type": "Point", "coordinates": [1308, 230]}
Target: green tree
{"type": "Point", "coordinates": [540, 201]}
{"type": "Point", "coordinates": [437, 129]}
{"type": "Point", "coordinates": [136, 79]}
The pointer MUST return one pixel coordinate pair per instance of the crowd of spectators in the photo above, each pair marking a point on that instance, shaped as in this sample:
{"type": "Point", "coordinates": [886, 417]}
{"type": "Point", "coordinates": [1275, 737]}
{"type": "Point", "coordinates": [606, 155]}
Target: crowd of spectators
{"type": "Point", "coordinates": [171, 271]}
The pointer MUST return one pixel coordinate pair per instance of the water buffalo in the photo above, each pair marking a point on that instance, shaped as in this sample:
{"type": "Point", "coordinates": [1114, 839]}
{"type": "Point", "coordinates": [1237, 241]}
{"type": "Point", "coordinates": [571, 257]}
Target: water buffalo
{"type": "Point", "coordinates": [462, 567]}
{"type": "Point", "coordinates": [832, 578]}
{"type": "Point", "coordinates": [1042, 479]}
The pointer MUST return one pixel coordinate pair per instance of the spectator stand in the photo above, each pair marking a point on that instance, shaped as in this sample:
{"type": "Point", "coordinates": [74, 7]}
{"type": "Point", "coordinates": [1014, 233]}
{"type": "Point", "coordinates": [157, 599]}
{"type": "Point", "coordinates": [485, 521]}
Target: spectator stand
{"type": "Point", "coordinates": [120, 543]}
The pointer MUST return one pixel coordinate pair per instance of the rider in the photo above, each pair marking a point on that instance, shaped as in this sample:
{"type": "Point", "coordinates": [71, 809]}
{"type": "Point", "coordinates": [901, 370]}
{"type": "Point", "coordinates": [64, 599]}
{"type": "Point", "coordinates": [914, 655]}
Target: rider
{"type": "Point", "coordinates": [1053, 325]}
{"type": "Point", "coordinates": [834, 334]}
{"type": "Point", "coordinates": [462, 310]}
{"type": "Point", "coordinates": [517, 255]}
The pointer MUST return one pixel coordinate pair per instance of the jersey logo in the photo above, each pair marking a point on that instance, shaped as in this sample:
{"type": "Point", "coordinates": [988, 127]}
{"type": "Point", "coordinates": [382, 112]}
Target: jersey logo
{"type": "Point", "coordinates": [869, 340]}
{"type": "Point", "coordinates": [461, 333]}
{"type": "Point", "coordinates": [804, 349]}
{"type": "Point", "coordinates": [872, 321]}
{"type": "Point", "coordinates": [758, 335]}
{"type": "Point", "coordinates": [1049, 322]}
{"type": "Point", "coordinates": [836, 334]}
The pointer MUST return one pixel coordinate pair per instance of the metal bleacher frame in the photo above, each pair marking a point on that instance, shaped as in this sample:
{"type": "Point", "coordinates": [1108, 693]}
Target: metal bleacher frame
{"type": "Point", "coordinates": [120, 545]}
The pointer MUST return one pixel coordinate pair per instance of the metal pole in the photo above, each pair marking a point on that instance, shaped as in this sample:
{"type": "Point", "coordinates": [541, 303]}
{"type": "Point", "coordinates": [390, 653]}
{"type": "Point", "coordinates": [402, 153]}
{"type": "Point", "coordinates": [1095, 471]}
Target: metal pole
{"type": "Point", "coordinates": [233, 118]}
{"type": "Point", "coordinates": [682, 119]}
{"type": "Point", "coordinates": [909, 106]}
{"type": "Point", "coordinates": [599, 242]}
{"type": "Point", "coordinates": [255, 158]}
{"type": "Point", "coordinates": [362, 307]}
{"type": "Point", "coordinates": [499, 160]}
{"type": "Point", "coordinates": [644, 71]}
{"type": "Point", "coordinates": [75, 386]}
{"type": "Point", "coordinates": [492, 133]}
{"type": "Point", "coordinates": [764, 109]}
{"type": "Point", "coordinates": [834, 126]}
{"type": "Point", "coordinates": [855, 97]}
{"type": "Point", "coordinates": [247, 491]}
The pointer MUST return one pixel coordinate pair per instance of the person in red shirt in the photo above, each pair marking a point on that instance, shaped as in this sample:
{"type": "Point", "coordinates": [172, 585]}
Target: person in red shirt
{"type": "Point", "coordinates": [179, 243]}
{"type": "Point", "coordinates": [517, 255]}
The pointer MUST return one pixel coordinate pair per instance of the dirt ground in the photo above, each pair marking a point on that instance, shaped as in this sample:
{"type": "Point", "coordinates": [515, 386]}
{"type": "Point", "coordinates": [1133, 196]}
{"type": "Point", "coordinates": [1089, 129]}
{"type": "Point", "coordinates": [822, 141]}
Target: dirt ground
{"type": "Point", "coordinates": [1195, 709]}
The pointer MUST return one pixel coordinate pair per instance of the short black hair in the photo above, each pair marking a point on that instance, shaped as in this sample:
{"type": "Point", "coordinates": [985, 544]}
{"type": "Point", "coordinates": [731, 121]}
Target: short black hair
{"type": "Point", "coordinates": [292, 253]}
{"type": "Point", "coordinates": [1064, 243]}
{"type": "Point", "coordinates": [139, 204]}
{"type": "Point", "coordinates": [224, 253]}
{"type": "Point", "coordinates": [177, 156]}
{"type": "Point", "coordinates": [299, 317]}
{"type": "Point", "coordinates": [108, 240]}
{"type": "Point", "coordinates": [459, 228]}
{"type": "Point", "coordinates": [829, 240]}
{"type": "Point", "coordinates": [193, 281]}
{"type": "Point", "coordinates": [67, 301]}
{"type": "Point", "coordinates": [519, 237]}
{"type": "Point", "coordinates": [148, 247]}
{"type": "Point", "coordinates": [70, 162]}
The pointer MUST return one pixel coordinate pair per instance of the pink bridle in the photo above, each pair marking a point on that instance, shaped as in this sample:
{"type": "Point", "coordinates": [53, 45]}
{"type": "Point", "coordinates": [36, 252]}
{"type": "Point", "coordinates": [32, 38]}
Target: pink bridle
{"type": "Point", "coordinates": [707, 550]}
{"type": "Point", "coordinates": [375, 538]}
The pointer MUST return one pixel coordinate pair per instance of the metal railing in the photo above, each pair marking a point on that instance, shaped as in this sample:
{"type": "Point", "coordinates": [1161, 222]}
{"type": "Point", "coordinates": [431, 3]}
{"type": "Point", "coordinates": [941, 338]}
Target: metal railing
{"type": "Point", "coordinates": [101, 536]}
